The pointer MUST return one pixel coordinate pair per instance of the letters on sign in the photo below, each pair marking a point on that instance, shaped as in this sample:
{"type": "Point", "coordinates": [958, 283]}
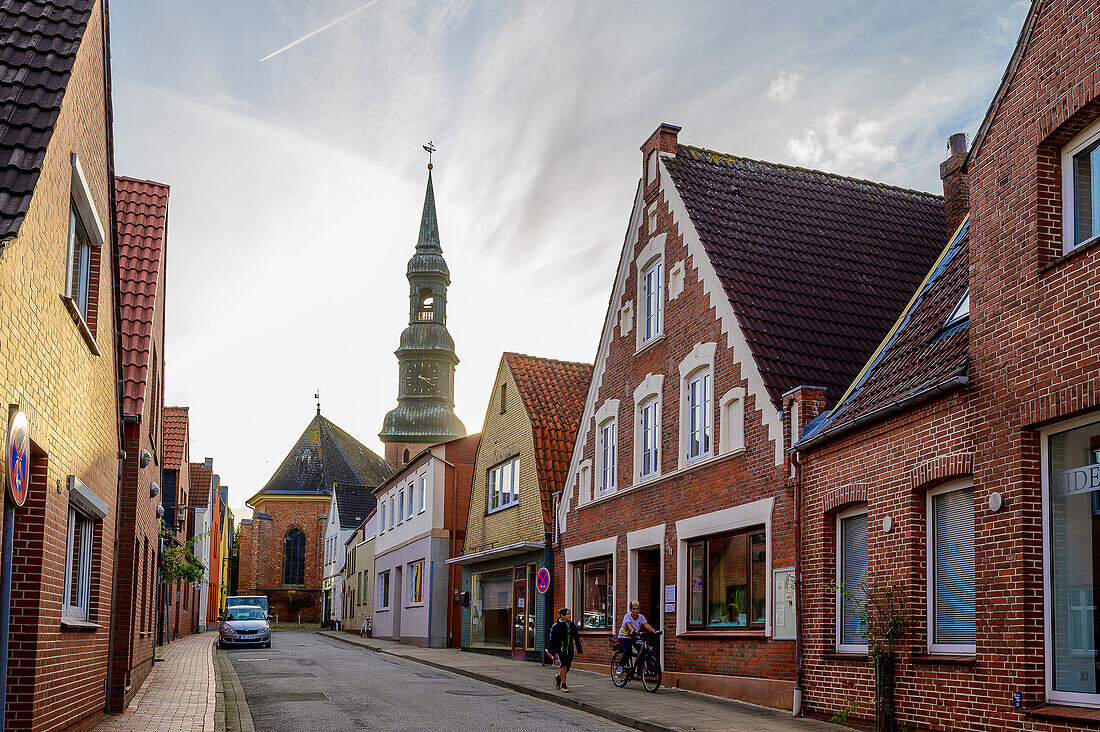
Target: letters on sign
{"type": "Point", "coordinates": [1078, 480]}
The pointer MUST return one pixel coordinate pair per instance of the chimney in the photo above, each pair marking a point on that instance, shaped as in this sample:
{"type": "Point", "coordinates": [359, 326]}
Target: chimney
{"type": "Point", "coordinates": [956, 184]}
{"type": "Point", "coordinates": [209, 463]}
{"type": "Point", "coordinates": [662, 140]}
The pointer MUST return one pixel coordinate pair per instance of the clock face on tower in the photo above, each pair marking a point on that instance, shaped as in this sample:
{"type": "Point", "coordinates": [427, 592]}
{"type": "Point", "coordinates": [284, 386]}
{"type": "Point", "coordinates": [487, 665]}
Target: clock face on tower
{"type": "Point", "coordinates": [422, 378]}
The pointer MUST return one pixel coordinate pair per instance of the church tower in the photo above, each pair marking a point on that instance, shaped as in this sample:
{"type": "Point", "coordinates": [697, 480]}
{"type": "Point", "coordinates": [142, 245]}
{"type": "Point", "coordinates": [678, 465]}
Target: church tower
{"type": "Point", "coordinates": [426, 355]}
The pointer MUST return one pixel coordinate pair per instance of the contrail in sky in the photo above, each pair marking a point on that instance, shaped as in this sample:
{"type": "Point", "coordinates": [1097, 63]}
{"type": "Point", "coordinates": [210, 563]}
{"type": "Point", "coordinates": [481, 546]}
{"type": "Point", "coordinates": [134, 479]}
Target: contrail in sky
{"type": "Point", "coordinates": [311, 34]}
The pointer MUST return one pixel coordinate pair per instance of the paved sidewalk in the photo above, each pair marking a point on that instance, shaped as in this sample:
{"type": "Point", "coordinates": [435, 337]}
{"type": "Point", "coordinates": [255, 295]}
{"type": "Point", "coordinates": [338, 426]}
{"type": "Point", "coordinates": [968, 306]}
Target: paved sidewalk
{"type": "Point", "coordinates": [178, 694]}
{"type": "Point", "coordinates": [669, 710]}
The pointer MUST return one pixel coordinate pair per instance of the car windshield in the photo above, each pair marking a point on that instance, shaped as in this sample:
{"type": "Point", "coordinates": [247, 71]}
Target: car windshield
{"type": "Point", "coordinates": [245, 613]}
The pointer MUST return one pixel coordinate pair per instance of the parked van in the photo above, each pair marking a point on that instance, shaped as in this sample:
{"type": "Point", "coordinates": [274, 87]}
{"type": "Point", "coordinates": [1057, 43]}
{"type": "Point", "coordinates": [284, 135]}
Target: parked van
{"type": "Point", "coordinates": [258, 600]}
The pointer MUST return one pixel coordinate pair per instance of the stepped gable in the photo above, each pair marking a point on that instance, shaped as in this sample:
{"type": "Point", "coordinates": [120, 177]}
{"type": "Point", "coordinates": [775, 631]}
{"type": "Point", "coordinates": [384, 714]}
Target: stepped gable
{"type": "Point", "coordinates": [355, 504]}
{"type": "Point", "coordinates": [921, 356]}
{"type": "Point", "coordinates": [141, 215]}
{"type": "Point", "coordinates": [174, 441]}
{"type": "Point", "coordinates": [39, 40]}
{"type": "Point", "coordinates": [323, 457]}
{"type": "Point", "coordinates": [553, 393]}
{"type": "Point", "coordinates": [816, 266]}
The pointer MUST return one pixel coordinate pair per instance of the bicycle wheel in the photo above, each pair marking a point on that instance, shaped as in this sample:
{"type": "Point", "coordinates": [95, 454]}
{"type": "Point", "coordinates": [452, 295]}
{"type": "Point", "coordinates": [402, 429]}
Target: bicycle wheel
{"type": "Point", "coordinates": [651, 674]}
{"type": "Point", "coordinates": [619, 679]}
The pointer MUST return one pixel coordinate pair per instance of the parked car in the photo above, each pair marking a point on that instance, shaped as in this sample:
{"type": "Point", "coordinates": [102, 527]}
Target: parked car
{"type": "Point", "coordinates": [244, 625]}
{"type": "Point", "coordinates": [258, 600]}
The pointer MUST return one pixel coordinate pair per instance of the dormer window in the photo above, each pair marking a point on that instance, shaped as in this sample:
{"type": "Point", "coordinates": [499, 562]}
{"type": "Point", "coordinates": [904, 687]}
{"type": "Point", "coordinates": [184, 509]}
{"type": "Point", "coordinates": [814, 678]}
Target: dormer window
{"type": "Point", "coordinates": [1081, 188]}
{"type": "Point", "coordinates": [961, 311]}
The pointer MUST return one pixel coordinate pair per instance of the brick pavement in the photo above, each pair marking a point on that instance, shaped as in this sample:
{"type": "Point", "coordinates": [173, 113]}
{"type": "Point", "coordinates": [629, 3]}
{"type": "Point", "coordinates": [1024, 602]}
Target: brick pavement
{"type": "Point", "coordinates": [669, 710]}
{"type": "Point", "coordinates": [177, 696]}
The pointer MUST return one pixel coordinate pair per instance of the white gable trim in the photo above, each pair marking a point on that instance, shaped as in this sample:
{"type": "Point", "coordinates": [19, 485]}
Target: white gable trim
{"type": "Point", "coordinates": [735, 338]}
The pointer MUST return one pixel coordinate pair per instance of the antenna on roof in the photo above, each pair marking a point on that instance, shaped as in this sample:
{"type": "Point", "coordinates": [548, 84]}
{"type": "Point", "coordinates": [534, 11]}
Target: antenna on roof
{"type": "Point", "coordinates": [429, 148]}
{"type": "Point", "coordinates": [317, 396]}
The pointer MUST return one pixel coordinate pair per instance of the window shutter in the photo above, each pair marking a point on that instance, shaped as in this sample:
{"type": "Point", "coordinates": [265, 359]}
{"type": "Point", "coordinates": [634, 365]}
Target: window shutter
{"type": "Point", "coordinates": [853, 568]}
{"type": "Point", "coordinates": [953, 567]}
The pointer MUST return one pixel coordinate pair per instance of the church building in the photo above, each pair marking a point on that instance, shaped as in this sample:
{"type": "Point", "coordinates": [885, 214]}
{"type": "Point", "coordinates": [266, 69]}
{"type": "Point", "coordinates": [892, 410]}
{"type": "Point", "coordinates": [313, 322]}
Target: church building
{"type": "Point", "coordinates": [281, 549]}
{"type": "Point", "coordinates": [425, 414]}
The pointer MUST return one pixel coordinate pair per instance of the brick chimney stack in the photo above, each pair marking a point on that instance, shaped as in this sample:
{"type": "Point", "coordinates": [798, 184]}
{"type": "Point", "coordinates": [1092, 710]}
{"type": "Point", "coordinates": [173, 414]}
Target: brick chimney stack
{"type": "Point", "coordinates": [956, 184]}
{"type": "Point", "coordinates": [663, 140]}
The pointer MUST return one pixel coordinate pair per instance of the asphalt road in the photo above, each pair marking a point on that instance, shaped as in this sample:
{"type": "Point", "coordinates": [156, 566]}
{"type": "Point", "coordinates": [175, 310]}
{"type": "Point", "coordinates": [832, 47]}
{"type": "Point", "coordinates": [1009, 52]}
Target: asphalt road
{"type": "Point", "coordinates": [308, 682]}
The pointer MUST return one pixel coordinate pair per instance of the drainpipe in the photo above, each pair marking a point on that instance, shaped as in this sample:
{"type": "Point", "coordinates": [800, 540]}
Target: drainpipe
{"type": "Point", "coordinates": [5, 601]}
{"type": "Point", "coordinates": [797, 707]}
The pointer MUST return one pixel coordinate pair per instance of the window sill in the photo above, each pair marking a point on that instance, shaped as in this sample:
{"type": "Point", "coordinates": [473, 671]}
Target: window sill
{"type": "Point", "coordinates": [1064, 711]}
{"type": "Point", "coordinates": [594, 631]}
{"type": "Point", "coordinates": [415, 604]}
{"type": "Point", "coordinates": [81, 325]}
{"type": "Point", "coordinates": [660, 338]}
{"type": "Point", "coordinates": [944, 659]}
{"type": "Point", "coordinates": [383, 610]}
{"type": "Point", "coordinates": [491, 511]}
{"type": "Point", "coordinates": [849, 657]}
{"type": "Point", "coordinates": [722, 634]}
{"type": "Point", "coordinates": [1071, 254]}
{"type": "Point", "coordinates": [76, 624]}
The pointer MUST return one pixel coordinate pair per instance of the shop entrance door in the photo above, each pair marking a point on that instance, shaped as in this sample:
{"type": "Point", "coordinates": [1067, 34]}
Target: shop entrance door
{"type": "Point", "coordinates": [519, 619]}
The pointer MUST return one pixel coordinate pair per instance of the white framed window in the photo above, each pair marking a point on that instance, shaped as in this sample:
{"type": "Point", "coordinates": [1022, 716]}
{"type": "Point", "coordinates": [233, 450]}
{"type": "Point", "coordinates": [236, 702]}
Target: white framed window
{"type": "Point", "coordinates": [86, 235]}
{"type": "Point", "coordinates": [698, 412]}
{"type": "Point", "coordinates": [423, 485]}
{"type": "Point", "coordinates": [652, 301]}
{"type": "Point", "coordinates": [584, 481]}
{"type": "Point", "coordinates": [382, 517]}
{"type": "Point", "coordinates": [950, 535]}
{"type": "Point", "coordinates": [416, 583]}
{"type": "Point", "coordinates": [649, 426]}
{"type": "Point", "coordinates": [1070, 460]}
{"type": "Point", "coordinates": [401, 505]}
{"type": "Point", "coordinates": [504, 485]}
{"type": "Point", "coordinates": [392, 509]}
{"type": "Point", "coordinates": [384, 590]}
{"type": "Point", "coordinates": [1081, 188]}
{"type": "Point", "coordinates": [851, 570]}
{"type": "Point", "coordinates": [608, 447]}
{"type": "Point", "coordinates": [409, 505]}
{"type": "Point", "coordinates": [78, 566]}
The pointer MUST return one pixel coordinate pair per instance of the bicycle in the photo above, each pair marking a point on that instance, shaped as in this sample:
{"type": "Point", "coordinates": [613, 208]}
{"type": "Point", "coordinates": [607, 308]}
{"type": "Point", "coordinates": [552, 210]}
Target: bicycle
{"type": "Point", "coordinates": [644, 658]}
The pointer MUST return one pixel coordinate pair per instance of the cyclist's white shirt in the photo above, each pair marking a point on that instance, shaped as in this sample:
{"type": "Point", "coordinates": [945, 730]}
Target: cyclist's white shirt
{"type": "Point", "coordinates": [635, 624]}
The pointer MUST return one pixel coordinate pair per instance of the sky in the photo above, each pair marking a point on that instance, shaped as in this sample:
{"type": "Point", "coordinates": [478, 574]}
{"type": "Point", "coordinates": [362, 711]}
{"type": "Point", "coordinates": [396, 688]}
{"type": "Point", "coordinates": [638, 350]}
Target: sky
{"type": "Point", "coordinates": [290, 132]}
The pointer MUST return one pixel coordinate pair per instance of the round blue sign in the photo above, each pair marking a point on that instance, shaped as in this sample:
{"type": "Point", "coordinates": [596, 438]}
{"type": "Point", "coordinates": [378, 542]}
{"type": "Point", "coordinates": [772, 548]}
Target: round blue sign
{"type": "Point", "coordinates": [19, 458]}
{"type": "Point", "coordinates": [542, 580]}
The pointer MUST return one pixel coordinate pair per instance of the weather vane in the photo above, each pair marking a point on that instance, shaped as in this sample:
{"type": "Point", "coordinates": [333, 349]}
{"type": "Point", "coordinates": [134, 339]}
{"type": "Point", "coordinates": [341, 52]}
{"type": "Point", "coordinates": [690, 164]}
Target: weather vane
{"type": "Point", "coordinates": [317, 396]}
{"type": "Point", "coordinates": [430, 148]}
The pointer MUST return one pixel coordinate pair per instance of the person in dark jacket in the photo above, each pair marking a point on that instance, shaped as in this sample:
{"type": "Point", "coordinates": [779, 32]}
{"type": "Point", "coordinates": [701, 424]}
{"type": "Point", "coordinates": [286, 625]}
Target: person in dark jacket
{"type": "Point", "coordinates": [563, 639]}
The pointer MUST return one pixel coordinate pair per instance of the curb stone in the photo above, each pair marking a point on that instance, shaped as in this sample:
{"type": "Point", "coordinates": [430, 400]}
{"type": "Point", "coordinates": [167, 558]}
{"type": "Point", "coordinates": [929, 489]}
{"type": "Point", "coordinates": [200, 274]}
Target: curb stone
{"type": "Point", "coordinates": [587, 707]}
{"type": "Point", "coordinates": [232, 713]}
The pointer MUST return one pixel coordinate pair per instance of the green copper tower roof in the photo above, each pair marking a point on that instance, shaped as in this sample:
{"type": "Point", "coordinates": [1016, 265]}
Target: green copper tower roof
{"type": "Point", "coordinates": [426, 353]}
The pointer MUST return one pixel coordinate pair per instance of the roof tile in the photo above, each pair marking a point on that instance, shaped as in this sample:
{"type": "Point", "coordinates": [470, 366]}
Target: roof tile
{"type": "Point", "coordinates": [174, 439]}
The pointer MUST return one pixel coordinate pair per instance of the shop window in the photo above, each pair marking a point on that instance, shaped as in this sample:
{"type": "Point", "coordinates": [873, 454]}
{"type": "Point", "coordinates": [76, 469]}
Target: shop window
{"type": "Point", "coordinates": [416, 583]}
{"type": "Point", "coordinates": [1081, 188]}
{"type": "Point", "coordinates": [951, 621]}
{"type": "Point", "coordinates": [592, 594]}
{"type": "Point", "coordinates": [504, 485]}
{"type": "Point", "coordinates": [1071, 539]}
{"type": "Point", "coordinates": [294, 557]}
{"type": "Point", "coordinates": [491, 609]}
{"type": "Point", "coordinates": [851, 571]}
{"type": "Point", "coordinates": [727, 582]}
{"type": "Point", "coordinates": [384, 590]}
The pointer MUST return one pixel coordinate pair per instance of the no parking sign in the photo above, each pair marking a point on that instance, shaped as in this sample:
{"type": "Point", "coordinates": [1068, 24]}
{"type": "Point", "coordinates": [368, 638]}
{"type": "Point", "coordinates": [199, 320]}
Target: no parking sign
{"type": "Point", "coordinates": [19, 458]}
{"type": "Point", "coordinates": [542, 580]}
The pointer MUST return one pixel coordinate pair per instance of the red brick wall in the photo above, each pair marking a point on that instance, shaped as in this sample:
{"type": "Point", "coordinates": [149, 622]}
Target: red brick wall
{"type": "Point", "coordinates": [461, 455]}
{"type": "Point", "coordinates": [729, 481]}
{"type": "Point", "coordinates": [261, 568]}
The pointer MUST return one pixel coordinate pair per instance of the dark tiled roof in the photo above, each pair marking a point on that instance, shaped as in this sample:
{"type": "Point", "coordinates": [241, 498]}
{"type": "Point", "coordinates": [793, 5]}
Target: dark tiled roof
{"type": "Point", "coordinates": [199, 494]}
{"type": "Point", "coordinates": [322, 457]}
{"type": "Point", "coordinates": [919, 355]}
{"type": "Point", "coordinates": [355, 504]}
{"type": "Point", "coordinates": [141, 213]}
{"type": "Point", "coordinates": [554, 393]}
{"type": "Point", "coordinates": [815, 265]}
{"type": "Point", "coordinates": [39, 40]}
{"type": "Point", "coordinates": [175, 437]}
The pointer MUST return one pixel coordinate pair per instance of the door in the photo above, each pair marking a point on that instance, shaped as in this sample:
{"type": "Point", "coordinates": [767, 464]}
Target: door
{"type": "Point", "coordinates": [519, 619]}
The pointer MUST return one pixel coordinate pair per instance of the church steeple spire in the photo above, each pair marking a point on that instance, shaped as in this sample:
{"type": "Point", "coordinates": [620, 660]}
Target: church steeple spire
{"type": "Point", "coordinates": [426, 356]}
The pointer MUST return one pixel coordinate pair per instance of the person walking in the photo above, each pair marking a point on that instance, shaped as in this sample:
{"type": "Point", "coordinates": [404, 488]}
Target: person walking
{"type": "Point", "coordinates": [564, 638]}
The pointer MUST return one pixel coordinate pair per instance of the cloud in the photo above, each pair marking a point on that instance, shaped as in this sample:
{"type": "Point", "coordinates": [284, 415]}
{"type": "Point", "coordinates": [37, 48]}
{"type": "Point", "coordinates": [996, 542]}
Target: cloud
{"type": "Point", "coordinates": [784, 87]}
{"type": "Point", "coordinates": [843, 141]}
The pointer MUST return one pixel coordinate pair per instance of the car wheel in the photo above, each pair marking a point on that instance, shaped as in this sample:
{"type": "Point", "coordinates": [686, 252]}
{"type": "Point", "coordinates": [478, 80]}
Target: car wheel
{"type": "Point", "coordinates": [221, 644]}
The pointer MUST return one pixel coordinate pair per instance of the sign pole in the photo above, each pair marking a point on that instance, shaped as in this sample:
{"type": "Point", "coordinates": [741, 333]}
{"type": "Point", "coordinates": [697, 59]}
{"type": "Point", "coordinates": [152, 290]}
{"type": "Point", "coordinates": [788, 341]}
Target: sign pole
{"type": "Point", "coordinates": [17, 458]}
{"type": "Point", "coordinates": [5, 603]}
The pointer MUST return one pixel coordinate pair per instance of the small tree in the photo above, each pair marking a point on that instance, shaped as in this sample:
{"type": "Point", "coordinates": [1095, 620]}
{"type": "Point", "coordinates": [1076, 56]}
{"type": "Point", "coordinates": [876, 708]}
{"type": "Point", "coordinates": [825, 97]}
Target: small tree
{"type": "Point", "coordinates": [178, 561]}
{"type": "Point", "coordinates": [883, 610]}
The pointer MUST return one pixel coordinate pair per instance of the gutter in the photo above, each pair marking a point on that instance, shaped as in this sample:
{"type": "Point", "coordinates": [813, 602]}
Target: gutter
{"type": "Point", "coordinates": [954, 382]}
{"type": "Point", "coordinates": [796, 707]}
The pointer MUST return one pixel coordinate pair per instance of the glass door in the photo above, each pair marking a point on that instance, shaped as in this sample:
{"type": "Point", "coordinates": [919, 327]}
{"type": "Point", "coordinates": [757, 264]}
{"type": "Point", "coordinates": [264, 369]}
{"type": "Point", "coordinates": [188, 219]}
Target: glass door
{"type": "Point", "coordinates": [519, 618]}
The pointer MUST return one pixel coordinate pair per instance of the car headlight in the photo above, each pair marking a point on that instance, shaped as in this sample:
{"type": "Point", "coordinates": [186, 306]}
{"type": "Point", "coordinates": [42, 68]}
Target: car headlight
{"type": "Point", "coordinates": [230, 631]}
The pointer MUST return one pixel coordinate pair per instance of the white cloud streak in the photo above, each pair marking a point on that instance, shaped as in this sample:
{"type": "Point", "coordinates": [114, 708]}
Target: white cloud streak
{"type": "Point", "coordinates": [323, 28]}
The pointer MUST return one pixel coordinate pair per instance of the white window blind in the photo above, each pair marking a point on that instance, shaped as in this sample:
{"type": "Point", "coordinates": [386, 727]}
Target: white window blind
{"type": "Point", "coordinates": [953, 568]}
{"type": "Point", "coordinates": [852, 570]}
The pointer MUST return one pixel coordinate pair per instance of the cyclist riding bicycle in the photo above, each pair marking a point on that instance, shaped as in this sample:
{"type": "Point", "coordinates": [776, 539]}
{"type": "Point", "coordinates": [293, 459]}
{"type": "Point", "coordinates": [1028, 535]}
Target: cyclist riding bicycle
{"type": "Point", "coordinates": [633, 623]}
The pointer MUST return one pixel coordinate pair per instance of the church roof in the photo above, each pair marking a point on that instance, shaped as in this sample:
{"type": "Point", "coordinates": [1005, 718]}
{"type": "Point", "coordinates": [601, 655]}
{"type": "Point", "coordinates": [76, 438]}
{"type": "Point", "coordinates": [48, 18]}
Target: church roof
{"type": "Point", "coordinates": [428, 259]}
{"type": "Point", "coordinates": [324, 456]}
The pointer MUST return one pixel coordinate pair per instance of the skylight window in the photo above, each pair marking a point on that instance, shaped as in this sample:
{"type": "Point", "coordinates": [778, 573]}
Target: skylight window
{"type": "Point", "coordinates": [961, 311]}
